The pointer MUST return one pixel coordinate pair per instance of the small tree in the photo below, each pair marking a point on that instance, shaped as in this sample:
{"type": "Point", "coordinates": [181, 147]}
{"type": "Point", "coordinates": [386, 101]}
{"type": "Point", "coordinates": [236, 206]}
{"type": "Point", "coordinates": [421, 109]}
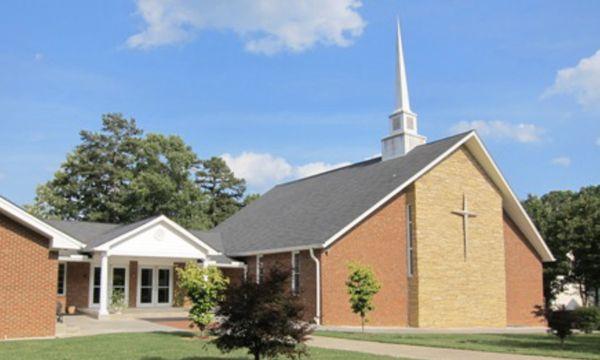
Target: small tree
{"type": "Point", "coordinates": [362, 287]}
{"type": "Point", "coordinates": [587, 319]}
{"type": "Point", "coordinates": [561, 323]}
{"type": "Point", "coordinates": [264, 318]}
{"type": "Point", "coordinates": [205, 288]}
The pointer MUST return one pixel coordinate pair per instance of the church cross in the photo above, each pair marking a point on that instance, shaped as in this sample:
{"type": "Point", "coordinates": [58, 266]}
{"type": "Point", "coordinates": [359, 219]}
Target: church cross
{"type": "Point", "coordinates": [466, 214]}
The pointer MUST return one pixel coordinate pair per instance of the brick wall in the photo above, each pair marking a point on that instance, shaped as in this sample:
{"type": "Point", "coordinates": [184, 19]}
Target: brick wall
{"type": "Point", "coordinates": [308, 290]}
{"type": "Point", "coordinates": [133, 274]}
{"type": "Point", "coordinates": [27, 283]}
{"type": "Point", "coordinates": [524, 283]}
{"type": "Point", "coordinates": [235, 275]}
{"type": "Point", "coordinates": [78, 284]}
{"type": "Point", "coordinates": [454, 291]}
{"type": "Point", "coordinates": [380, 242]}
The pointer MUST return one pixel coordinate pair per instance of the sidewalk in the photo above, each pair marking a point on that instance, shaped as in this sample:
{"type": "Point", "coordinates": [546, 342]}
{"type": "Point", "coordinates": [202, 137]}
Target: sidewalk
{"type": "Point", "coordinates": [414, 352]}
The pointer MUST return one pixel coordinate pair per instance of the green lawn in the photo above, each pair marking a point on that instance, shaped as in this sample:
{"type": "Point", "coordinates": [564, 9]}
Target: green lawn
{"type": "Point", "coordinates": [148, 346]}
{"type": "Point", "coordinates": [577, 347]}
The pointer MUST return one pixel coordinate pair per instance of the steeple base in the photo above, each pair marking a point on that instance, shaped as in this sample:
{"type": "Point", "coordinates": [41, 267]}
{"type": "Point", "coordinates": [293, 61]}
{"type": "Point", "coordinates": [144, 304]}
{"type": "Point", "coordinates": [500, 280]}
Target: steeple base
{"type": "Point", "coordinates": [400, 144]}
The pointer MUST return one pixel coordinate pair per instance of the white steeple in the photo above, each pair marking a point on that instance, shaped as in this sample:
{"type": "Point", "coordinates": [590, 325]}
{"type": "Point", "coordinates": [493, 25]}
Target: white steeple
{"type": "Point", "coordinates": [403, 122]}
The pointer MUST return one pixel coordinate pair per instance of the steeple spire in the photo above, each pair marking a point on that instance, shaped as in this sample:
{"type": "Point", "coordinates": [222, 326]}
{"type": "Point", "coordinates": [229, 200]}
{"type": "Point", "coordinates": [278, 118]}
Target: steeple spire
{"type": "Point", "coordinates": [402, 99]}
{"type": "Point", "coordinates": [403, 122]}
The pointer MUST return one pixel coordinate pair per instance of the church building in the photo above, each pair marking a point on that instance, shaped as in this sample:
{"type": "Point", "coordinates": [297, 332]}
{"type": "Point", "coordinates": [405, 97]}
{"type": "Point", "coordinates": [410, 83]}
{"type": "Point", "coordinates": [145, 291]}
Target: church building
{"type": "Point", "coordinates": [437, 222]}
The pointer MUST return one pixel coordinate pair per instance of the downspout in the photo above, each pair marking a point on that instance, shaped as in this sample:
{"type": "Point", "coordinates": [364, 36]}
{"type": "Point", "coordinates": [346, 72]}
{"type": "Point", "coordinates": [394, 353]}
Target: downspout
{"type": "Point", "coordinates": [318, 267]}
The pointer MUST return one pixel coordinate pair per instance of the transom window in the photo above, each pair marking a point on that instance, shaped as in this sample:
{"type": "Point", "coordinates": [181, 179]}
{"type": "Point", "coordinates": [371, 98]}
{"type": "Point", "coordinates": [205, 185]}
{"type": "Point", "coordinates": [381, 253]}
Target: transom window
{"type": "Point", "coordinates": [62, 278]}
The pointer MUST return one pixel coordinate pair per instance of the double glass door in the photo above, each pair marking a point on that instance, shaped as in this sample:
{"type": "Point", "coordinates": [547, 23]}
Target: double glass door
{"type": "Point", "coordinates": [155, 286]}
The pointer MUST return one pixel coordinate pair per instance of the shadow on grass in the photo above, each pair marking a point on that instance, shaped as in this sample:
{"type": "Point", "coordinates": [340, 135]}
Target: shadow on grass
{"type": "Point", "coordinates": [194, 358]}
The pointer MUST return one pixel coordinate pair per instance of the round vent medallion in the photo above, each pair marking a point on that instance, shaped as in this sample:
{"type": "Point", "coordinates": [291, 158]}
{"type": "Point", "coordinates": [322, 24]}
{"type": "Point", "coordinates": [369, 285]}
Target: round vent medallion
{"type": "Point", "coordinates": [159, 234]}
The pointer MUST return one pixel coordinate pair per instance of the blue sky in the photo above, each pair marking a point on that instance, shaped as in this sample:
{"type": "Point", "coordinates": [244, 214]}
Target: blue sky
{"type": "Point", "coordinates": [284, 90]}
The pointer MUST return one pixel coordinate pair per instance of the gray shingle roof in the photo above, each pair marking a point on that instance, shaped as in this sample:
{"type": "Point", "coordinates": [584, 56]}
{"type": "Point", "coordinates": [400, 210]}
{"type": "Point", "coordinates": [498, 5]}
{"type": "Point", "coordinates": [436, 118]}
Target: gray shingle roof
{"type": "Point", "coordinates": [311, 210]}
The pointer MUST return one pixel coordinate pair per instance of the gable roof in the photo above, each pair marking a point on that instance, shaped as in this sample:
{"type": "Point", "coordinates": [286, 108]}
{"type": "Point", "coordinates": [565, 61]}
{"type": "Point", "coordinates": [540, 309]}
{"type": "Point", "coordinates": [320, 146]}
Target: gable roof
{"type": "Point", "coordinates": [316, 211]}
{"type": "Point", "coordinates": [58, 239]}
{"type": "Point", "coordinates": [308, 212]}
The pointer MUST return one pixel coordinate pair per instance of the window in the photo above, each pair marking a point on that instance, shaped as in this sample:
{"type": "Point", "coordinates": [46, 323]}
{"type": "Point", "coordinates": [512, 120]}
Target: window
{"type": "Point", "coordinates": [62, 278]}
{"type": "Point", "coordinates": [295, 273]}
{"type": "Point", "coordinates": [96, 287]}
{"type": "Point", "coordinates": [260, 269]}
{"type": "Point", "coordinates": [409, 240]}
{"type": "Point", "coordinates": [118, 280]}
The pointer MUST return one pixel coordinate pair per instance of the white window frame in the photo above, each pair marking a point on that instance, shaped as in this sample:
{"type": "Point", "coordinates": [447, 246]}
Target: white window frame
{"type": "Point", "coordinates": [155, 269]}
{"type": "Point", "coordinates": [295, 272]}
{"type": "Point", "coordinates": [91, 303]}
{"type": "Point", "coordinates": [410, 246]}
{"type": "Point", "coordinates": [64, 279]}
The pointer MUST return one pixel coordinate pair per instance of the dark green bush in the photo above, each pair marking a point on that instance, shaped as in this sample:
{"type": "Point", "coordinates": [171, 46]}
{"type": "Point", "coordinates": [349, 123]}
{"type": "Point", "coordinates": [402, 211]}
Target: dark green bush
{"type": "Point", "coordinates": [587, 319]}
{"type": "Point", "coordinates": [561, 323]}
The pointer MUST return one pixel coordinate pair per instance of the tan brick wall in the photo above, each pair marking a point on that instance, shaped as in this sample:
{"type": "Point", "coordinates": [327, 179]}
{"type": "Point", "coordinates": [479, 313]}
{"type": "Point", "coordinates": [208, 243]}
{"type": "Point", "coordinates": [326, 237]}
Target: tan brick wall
{"type": "Point", "coordinates": [454, 292]}
{"type": "Point", "coordinates": [27, 283]}
{"type": "Point", "coordinates": [413, 281]}
{"type": "Point", "coordinates": [380, 242]}
{"type": "Point", "coordinates": [524, 283]}
{"type": "Point", "coordinates": [78, 284]}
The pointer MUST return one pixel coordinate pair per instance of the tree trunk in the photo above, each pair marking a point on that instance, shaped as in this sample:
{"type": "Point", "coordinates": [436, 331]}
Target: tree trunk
{"type": "Point", "coordinates": [257, 356]}
{"type": "Point", "coordinates": [362, 324]}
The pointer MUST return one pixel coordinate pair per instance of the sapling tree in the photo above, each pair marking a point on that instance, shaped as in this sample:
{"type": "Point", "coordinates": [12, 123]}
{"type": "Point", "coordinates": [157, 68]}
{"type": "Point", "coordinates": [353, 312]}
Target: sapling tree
{"type": "Point", "coordinates": [205, 287]}
{"type": "Point", "coordinates": [362, 286]}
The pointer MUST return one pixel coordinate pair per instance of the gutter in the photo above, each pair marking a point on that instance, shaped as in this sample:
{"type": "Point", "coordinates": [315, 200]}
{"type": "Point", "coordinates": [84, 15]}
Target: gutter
{"type": "Point", "coordinates": [318, 292]}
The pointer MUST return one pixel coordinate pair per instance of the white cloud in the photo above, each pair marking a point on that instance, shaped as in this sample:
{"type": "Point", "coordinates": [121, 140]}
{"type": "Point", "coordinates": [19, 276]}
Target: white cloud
{"type": "Point", "coordinates": [523, 133]}
{"type": "Point", "coordinates": [581, 81]}
{"type": "Point", "coordinates": [262, 170]}
{"type": "Point", "coordinates": [265, 26]}
{"type": "Point", "coordinates": [564, 161]}
{"type": "Point", "coordinates": [598, 141]}
{"type": "Point", "coordinates": [38, 57]}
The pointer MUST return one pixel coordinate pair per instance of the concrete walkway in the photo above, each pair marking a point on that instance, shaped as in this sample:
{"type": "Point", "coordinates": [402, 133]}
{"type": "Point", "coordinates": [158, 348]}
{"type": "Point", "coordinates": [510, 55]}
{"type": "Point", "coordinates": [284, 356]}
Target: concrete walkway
{"type": "Point", "coordinates": [83, 325]}
{"type": "Point", "coordinates": [414, 352]}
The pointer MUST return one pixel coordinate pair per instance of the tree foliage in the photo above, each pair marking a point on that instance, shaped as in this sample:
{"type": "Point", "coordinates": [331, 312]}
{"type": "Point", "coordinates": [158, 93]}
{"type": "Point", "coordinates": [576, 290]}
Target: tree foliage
{"type": "Point", "coordinates": [225, 192]}
{"type": "Point", "coordinates": [205, 287]}
{"type": "Point", "coordinates": [570, 223]}
{"type": "Point", "coordinates": [362, 286]}
{"type": "Point", "coordinates": [120, 175]}
{"type": "Point", "coordinates": [264, 318]}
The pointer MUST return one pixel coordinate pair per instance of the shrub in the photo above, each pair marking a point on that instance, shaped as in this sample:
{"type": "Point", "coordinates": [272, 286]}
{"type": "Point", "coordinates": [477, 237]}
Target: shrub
{"type": "Point", "coordinates": [264, 318]}
{"type": "Point", "coordinates": [561, 323]}
{"type": "Point", "coordinates": [587, 319]}
{"type": "Point", "coordinates": [117, 301]}
{"type": "Point", "coordinates": [204, 287]}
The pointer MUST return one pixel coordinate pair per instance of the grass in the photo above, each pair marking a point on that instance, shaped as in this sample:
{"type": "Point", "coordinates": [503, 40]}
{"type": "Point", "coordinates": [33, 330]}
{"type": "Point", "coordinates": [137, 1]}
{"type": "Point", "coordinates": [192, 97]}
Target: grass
{"type": "Point", "coordinates": [139, 346]}
{"type": "Point", "coordinates": [579, 346]}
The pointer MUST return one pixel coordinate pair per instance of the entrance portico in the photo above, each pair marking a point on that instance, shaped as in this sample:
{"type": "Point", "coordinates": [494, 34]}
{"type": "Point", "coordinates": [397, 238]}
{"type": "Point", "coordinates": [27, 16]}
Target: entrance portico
{"type": "Point", "coordinates": [139, 260]}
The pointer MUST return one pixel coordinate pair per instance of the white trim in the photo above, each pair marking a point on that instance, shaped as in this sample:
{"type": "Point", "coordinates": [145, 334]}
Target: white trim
{"type": "Point", "coordinates": [295, 258]}
{"type": "Point", "coordinates": [64, 278]}
{"type": "Point", "coordinates": [161, 219]}
{"type": "Point", "coordinates": [318, 286]}
{"type": "Point", "coordinates": [410, 240]}
{"type": "Point", "coordinates": [276, 250]}
{"type": "Point", "coordinates": [258, 263]}
{"type": "Point", "coordinates": [511, 205]}
{"type": "Point", "coordinates": [154, 287]}
{"type": "Point", "coordinates": [58, 239]}
{"type": "Point", "coordinates": [386, 198]}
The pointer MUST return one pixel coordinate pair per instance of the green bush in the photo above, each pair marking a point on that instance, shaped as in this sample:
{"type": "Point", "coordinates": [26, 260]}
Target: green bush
{"type": "Point", "coordinates": [587, 319]}
{"type": "Point", "coordinates": [561, 323]}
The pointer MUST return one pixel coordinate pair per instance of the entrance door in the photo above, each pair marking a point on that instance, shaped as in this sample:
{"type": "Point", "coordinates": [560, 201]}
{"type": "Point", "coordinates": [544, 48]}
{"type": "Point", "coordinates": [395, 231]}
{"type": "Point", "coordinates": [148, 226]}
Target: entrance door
{"type": "Point", "coordinates": [156, 286]}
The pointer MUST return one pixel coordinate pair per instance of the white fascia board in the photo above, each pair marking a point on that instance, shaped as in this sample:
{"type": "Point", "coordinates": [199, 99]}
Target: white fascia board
{"type": "Point", "coordinates": [161, 219]}
{"type": "Point", "coordinates": [275, 251]}
{"type": "Point", "coordinates": [58, 239]}
{"type": "Point", "coordinates": [396, 191]}
{"type": "Point", "coordinates": [232, 265]}
{"type": "Point", "coordinates": [512, 205]}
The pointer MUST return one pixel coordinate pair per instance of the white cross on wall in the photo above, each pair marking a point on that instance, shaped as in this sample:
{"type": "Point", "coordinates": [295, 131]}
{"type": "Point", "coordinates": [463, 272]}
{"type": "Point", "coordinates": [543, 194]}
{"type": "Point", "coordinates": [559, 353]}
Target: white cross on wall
{"type": "Point", "coordinates": [466, 214]}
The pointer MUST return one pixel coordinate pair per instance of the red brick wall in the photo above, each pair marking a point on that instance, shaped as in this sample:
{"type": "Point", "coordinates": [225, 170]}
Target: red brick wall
{"type": "Point", "coordinates": [524, 283]}
{"type": "Point", "coordinates": [27, 282]}
{"type": "Point", "coordinates": [133, 273]}
{"type": "Point", "coordinates": [380, 242]}
{"type": "Point", "coordinates": [235, 275]}
{"type": "Point", "coordinates": [307, 276]}
{"type": "Point", "coordinates": [78, 284]}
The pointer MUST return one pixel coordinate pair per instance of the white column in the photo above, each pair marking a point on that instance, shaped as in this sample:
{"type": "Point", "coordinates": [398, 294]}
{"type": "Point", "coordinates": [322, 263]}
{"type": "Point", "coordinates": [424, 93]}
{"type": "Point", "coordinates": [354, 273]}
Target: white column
{"type": "Point", "coordinates": [103, 284]}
